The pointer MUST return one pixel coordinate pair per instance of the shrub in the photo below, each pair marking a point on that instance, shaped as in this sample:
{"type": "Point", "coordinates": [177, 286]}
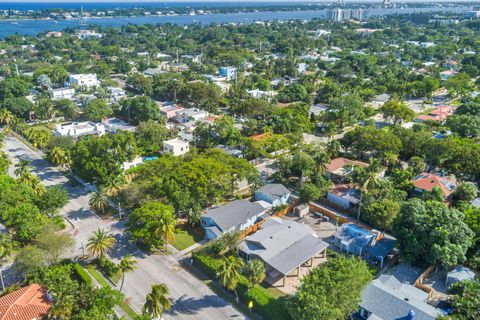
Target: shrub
{"type": "Point", "coordinates": [82, 275]}
{"type": "Point", "coordinates": [108, 267]}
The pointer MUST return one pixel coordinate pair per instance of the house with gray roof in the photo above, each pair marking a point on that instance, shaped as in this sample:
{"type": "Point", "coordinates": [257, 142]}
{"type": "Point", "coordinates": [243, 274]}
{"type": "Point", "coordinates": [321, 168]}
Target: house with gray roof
{"type": "Point", "coordinates": [233, 216]}
{"type": "Point", "coordinates": [389, 299]}
{"type": "Point", "coordinates": [460, 273]}
{"type": "Point", "coordinates": [274, 193]}
{"type": "Point", "coordinates": [283, 245]}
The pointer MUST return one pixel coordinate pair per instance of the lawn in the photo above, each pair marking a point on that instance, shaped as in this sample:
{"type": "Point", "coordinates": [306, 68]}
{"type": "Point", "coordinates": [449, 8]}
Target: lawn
{"type": "Point", "coordinates": [186, 236]}
{"type": "Point", "coordinates": [104, 283]}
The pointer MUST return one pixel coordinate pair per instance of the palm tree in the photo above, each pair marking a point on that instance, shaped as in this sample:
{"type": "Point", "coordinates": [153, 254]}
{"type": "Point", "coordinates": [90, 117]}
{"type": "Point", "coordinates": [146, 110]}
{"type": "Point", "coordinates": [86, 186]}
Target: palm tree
{"type": "Point", "coordinates": [230, 240]}
{"type": "Point", "coordinates": [127, 264]}
{"type": "Point", "coordinates": [6, 117]}
{"type": "Point", "coordinates": [157, 301]}
{"type": "Point", "coordinates": [98, 201]}
{"type": "Point", "coordinates": [255, 271]}
{"type": "Point", "coordinates": [229, 273]}
{"type": "Point", "coordinates": [100, 242]}
{"type": "Point", "coordinates": [367, 178]}
{"type": "Point", "coordinates": [166, 228]}
{"type": "Point", "coordinates": [60, 157]}
{"type": "Point", "coordinates": [22, 167]}
{"type": "Point", "coordinates": [34, 182]}
{"type": "Point", "coordinates": [113, 185]}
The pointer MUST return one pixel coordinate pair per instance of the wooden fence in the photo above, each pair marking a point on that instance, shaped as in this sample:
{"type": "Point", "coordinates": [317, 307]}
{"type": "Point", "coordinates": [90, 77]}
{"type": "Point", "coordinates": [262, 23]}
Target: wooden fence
{"type": "Point", "coordinates": [419, 282]}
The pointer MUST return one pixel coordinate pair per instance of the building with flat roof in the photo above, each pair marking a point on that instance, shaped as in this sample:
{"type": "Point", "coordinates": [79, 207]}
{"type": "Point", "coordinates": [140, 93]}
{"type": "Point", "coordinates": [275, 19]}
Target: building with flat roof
{"type": "Point", "coordinates": [62, 93]}
{"type": "Point", "coordinates": [86, 81]}
{"type": "Point", "coordinates": [78, 129]}
{"type": "Point", "coordinates": [191, 114]}
{"type": "Point", "coordinates": [112, 125]}
{"type": "Point", "coordinates": [177, 147]}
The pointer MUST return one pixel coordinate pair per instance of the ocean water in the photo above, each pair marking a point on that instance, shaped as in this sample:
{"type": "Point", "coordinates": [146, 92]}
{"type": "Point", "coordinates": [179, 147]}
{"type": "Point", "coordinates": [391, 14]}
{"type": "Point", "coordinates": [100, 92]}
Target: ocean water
{"type": "Point", "coordinates": [136, 4]}
{"type": "Point", "coordinates": [33, 27]}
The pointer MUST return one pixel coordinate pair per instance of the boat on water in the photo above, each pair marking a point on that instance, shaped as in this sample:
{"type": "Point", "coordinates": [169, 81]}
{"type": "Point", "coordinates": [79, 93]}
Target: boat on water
{"type": "Point", "coordinates": [14, 22]}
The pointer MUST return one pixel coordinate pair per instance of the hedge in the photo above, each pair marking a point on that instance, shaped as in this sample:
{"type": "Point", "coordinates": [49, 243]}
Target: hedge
{"type": "Point", "coordinates": [82, 274]}
{"type": "Point", "coordinates": [269, 307]}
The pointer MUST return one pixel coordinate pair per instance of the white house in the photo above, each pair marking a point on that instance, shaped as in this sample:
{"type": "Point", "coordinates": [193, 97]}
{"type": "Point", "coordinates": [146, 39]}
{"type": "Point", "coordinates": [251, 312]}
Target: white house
{"type": "Point", "coordinates": [176, 146]}
{"type": "Point", "coordinates": [87, 81]}
{"type": "Point", "coordinates": [78, 129]}
{"type": "Point", "coordinates": [86, 34]}
{"type": "Point", "coordinates": [258, 94]}
{"type": "Point", "coordinates": [117, 94]}
{"type": "Point", "coordinates": [191, 114]}
{"type": "Point", "coordinates": [131, 164]}
{"type": "Point", "coordinates": [112, 125]}
{"type": "Point", "coordinates": [62, 93]}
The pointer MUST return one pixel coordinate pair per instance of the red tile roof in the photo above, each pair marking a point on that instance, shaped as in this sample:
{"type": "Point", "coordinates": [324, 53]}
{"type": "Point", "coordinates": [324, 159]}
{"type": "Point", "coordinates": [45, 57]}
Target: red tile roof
{"type": "Point", "coordinates": [339, 163]}
{"type": "Point", "coordinates": [27, 303]}
{"type": "Point", "coordinates": [427, 181]}
{"type": "Point", "coordinates": [438, 114]}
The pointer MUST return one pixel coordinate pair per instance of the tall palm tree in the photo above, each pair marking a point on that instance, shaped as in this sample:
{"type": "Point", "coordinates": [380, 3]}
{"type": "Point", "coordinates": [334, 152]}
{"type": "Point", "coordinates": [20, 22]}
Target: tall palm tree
{"type": "Point", "coordinates": [60, 157]}
{"type": "Point", "coordinates": [6, 117]}
{"type": "Point", "coordinates": [157, 301]}
{"type": "Point", "coordinates": [127, 264]}
{"type": "Point", "coordinates": [22, 168]}
{"type": "Point", "coordinates": [367, 178]}
{"type": "Point", "coordinates": [100, 243]}
{"type": "Point", "coordinates": [229, 273]}
{"type": "Point", "coordinates": [98, 201]}
{"type": "Point", "coordinates": [166, 228]}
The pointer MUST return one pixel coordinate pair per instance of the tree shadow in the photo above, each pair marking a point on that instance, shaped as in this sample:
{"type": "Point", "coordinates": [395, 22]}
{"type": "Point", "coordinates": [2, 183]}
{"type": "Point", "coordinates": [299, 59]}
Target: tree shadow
{"type": "Point", "coordinates": [186, 305]}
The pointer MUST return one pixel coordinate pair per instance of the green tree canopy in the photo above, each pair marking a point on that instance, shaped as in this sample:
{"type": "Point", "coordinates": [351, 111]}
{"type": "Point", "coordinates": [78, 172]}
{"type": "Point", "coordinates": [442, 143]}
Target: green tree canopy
{"type": "Point", "coordinates": [330, 291]}
{"type": "Point", "coordinates": [431, 233]}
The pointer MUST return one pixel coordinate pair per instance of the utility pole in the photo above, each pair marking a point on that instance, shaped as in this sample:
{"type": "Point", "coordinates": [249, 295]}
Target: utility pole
{"type": "Point", "coordinates": [1, 280]}
{"type": "Point", "coordinates": [119, 211]}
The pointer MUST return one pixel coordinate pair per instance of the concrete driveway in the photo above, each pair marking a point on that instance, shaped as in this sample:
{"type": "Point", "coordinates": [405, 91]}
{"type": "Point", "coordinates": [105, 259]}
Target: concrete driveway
{"type": "Point", "coordinates": [191, 298]}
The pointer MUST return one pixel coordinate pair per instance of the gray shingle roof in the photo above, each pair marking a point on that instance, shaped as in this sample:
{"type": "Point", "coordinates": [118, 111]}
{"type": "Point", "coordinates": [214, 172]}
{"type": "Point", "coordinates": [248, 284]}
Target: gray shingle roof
{"type": "Point", "coordinates": [458, 274]}
{"type": "Point", "coordinates": [236, 212]}
{"type": "Point", "coordinates": [283, 244]}
{"type": "Point", "coordinates": [274, 190]}
{"type": "Point", "coordinates": [389, 299]}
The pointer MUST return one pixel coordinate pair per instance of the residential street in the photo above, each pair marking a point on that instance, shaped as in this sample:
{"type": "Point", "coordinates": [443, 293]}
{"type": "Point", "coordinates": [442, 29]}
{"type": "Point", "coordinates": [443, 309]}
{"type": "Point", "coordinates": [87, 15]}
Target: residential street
{"type": "Point", "coordinates": [191, 298]}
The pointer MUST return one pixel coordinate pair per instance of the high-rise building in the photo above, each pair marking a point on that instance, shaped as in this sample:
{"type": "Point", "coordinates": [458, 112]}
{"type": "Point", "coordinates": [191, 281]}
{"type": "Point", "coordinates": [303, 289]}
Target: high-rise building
{"type": "Point", "coordinates": [338, 14]}
{"type": "Point", "coordinates": [358, 14]}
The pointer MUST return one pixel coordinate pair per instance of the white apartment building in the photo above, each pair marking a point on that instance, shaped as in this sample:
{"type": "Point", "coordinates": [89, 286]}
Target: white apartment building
{"type": "Point", "coordinates": [87, 80]}
{"type": "Point", "coordinates": [176, 146]}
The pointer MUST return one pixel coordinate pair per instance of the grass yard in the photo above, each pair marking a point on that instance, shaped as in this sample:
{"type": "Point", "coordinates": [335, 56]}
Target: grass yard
{"type": "Point", "coordinates": [104, 283]}
{"type": "Point", "coordinates": [186, 236]}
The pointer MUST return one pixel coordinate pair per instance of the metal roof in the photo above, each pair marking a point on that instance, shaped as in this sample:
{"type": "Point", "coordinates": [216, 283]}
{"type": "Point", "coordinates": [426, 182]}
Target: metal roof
{"type": "Point", "coordinates": [283, 244]}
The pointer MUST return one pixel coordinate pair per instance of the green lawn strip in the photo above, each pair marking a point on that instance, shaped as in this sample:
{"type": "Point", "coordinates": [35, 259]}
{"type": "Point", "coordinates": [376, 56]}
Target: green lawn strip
{"type": "Point", "coordinates": [185, 237]}
{"type": "Point", "coordinates": [104, 283]}
{"type": "Point", "coordinates": [128, 310]}
{"type": "Point", "coordinates": [221, 292]}
{"type": "Point", "coordinates": [100, 279]}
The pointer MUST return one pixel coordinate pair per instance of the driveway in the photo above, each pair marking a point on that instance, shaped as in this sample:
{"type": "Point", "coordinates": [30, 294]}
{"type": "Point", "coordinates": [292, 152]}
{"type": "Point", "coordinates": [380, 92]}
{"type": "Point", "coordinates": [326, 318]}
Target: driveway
{"type": "Point", "coordinates": [191, 298]}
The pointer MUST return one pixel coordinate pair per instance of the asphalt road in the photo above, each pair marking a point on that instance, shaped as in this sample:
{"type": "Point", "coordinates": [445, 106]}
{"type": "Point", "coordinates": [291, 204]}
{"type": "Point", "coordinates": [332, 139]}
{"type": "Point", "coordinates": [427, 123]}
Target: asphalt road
{"type": "Point", "coordinates": [190, 297]}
